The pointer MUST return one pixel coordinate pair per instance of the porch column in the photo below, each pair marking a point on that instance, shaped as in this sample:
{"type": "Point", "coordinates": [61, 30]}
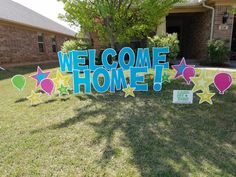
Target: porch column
{"type": "Point", "coordinates": [162, 27]}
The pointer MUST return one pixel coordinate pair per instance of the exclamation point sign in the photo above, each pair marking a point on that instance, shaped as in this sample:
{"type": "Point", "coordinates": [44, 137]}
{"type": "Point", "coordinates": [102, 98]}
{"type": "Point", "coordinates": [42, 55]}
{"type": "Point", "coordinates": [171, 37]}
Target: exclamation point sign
{"type": "Point", "coordinates": [157, 84]}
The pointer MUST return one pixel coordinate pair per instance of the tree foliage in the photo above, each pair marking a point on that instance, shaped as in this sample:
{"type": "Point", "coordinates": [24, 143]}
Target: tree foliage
{"type": "Point", "coordinates": [117, 20]}
{"type": "Point", "coordinates": [233, 10]}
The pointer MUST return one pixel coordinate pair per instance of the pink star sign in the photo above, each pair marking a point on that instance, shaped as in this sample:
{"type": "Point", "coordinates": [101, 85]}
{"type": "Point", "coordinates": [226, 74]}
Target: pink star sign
{"type": "Point", "coordinates": [40, 76]}
{"type": "Point", "coordinates": [181, 67]}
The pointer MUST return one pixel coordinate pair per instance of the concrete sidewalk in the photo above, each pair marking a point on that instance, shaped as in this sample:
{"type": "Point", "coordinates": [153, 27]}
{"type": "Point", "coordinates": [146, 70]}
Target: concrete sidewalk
{"type": "Point", "coordinates": [218, 69]}
{"type": "Point", "coordinates": [230, 68]}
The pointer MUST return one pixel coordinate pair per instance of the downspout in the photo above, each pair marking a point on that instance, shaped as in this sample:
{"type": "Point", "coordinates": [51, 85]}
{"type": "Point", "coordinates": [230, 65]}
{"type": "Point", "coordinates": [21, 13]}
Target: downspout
{"type": "Point", "coordinates": [212, 18]}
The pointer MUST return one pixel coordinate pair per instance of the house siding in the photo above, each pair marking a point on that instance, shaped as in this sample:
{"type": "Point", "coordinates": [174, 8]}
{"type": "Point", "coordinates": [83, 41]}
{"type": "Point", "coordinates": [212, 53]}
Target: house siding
{"type": "Point", "coordinates": [19, 44]}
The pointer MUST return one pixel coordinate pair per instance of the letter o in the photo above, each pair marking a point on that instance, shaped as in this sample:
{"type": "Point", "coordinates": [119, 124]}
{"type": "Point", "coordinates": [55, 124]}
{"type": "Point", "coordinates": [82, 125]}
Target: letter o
{"type": "Point", "coordinates": [126, 51]}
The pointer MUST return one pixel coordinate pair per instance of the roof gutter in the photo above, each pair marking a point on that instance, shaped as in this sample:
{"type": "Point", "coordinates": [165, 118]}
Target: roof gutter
{"type": "Point", "coordinates": [212, 18]}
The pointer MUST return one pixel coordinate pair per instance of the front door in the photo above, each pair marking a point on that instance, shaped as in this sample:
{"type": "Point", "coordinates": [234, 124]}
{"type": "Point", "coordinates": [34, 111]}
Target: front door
{"type": "Point", "coordinates": [233, 45]}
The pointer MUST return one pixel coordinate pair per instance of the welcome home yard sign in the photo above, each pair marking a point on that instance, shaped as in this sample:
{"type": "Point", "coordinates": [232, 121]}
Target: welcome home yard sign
{"type": "Point", "coordinates": [113, 74]}
{"type": "Point", "coordinates": [114, 77]}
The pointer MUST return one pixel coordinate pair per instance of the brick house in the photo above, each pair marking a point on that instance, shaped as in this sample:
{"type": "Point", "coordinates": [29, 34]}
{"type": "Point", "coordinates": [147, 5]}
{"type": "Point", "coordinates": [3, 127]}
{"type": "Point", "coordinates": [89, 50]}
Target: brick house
{"type": "Point", "coordinates": [196, 22]}
{"type": "Point", "coordinates": [28, 37]}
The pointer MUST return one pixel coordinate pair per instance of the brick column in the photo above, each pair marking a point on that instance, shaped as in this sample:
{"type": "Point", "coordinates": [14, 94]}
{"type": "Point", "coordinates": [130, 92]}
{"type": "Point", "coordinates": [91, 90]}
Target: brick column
{"type": "Point", "coordinates": [223, 31]}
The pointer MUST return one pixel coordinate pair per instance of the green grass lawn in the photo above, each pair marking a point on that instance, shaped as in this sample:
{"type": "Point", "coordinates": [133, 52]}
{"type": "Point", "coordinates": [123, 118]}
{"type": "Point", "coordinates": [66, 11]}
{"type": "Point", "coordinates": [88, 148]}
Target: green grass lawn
{"type": "Point", "coordinates": [109, 135]}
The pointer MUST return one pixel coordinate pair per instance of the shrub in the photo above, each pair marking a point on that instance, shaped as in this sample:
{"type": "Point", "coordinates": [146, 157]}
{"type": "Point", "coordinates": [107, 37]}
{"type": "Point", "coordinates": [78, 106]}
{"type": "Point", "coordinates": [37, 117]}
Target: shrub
{"type": "Point", "coordinates": [166, 40]}
{"type": "Point", "coordinates": [217, 51]}
{"type": "Point", "coordinates": [75, 45]}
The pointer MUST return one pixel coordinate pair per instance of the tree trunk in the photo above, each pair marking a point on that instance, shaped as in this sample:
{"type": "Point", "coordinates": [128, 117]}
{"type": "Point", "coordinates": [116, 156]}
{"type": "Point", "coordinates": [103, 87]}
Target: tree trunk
{"type": "Point", "coordinates": [112, 42]}
{"type": "Point", "coordinates": [112, 39]}
{"type": "Point", "coordinates": [108, 23]}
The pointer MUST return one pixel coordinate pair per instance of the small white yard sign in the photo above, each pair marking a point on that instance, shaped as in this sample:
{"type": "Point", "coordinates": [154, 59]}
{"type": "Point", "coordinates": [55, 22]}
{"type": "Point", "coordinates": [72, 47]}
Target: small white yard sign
{"type": "Point", "coordinates": [182, 97]}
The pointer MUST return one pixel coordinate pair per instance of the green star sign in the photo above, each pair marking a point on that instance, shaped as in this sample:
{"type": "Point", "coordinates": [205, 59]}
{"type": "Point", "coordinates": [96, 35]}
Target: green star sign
{"type": "Point", "coordinates": [63, 90]}
{"type": "Point", "coordinates": [166, 78]}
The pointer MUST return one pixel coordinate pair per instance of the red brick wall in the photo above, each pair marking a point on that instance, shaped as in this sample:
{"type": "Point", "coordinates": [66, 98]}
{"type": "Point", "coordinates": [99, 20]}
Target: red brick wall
{"type": "Point", "coordinates": [96, 41]}
{"type": "Point", "coordinates": [223, 34]}
{"type": "Point", "coordinates": [19, 45]}
{"type": "Point", "coordinates": [196, 35]}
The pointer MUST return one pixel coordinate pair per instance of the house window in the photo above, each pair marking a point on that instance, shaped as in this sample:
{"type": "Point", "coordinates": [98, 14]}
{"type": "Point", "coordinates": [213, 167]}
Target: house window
{"type": "Point", "coordinates": [54, 44]}
{"type": "Point", "coordinates": [41, 42]}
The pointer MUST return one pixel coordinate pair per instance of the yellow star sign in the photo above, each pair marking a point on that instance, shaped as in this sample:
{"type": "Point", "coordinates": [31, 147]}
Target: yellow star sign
{"type": "Point", "coordinates": [129, 91]}
{"type": "Point", "coordinates": [61, 80]}
{"type": "Point", "coordinates": [205, 96]}
{"type": "Point", "coordinates": [202, 82]}
{"type": "Point", "coordinates": [34, 98]}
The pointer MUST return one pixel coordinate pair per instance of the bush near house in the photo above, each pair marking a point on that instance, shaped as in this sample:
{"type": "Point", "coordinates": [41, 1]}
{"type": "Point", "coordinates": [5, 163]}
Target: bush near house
{"type": "Point", "coordinates": [75, 45]}
{"type": "Point", "coordinates": [217, 52]}
{"type": "Point", "coordinates": [164, 40]}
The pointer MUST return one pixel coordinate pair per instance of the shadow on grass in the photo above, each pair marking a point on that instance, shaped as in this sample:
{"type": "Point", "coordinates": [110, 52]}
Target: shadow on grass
{"type": "Point", "coordinates": [50, 101]}
{"type": "Point", "coordinates": [11, 71]}
{"type": "Point", "coordinates": [21, 100]}
{"type": "Point", "coordinates": [166, 139]}
{"type": "Point", "coordinates": [46, 102]}
{"type": "Point", "coordinates": [64, 99]}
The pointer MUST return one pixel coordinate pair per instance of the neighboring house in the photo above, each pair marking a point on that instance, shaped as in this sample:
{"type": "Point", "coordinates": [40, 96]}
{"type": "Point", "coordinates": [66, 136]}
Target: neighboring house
{"type": "Point", "coordinates": [28, 37]}
{"type": "Point", "coordinates": [197, 21]}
